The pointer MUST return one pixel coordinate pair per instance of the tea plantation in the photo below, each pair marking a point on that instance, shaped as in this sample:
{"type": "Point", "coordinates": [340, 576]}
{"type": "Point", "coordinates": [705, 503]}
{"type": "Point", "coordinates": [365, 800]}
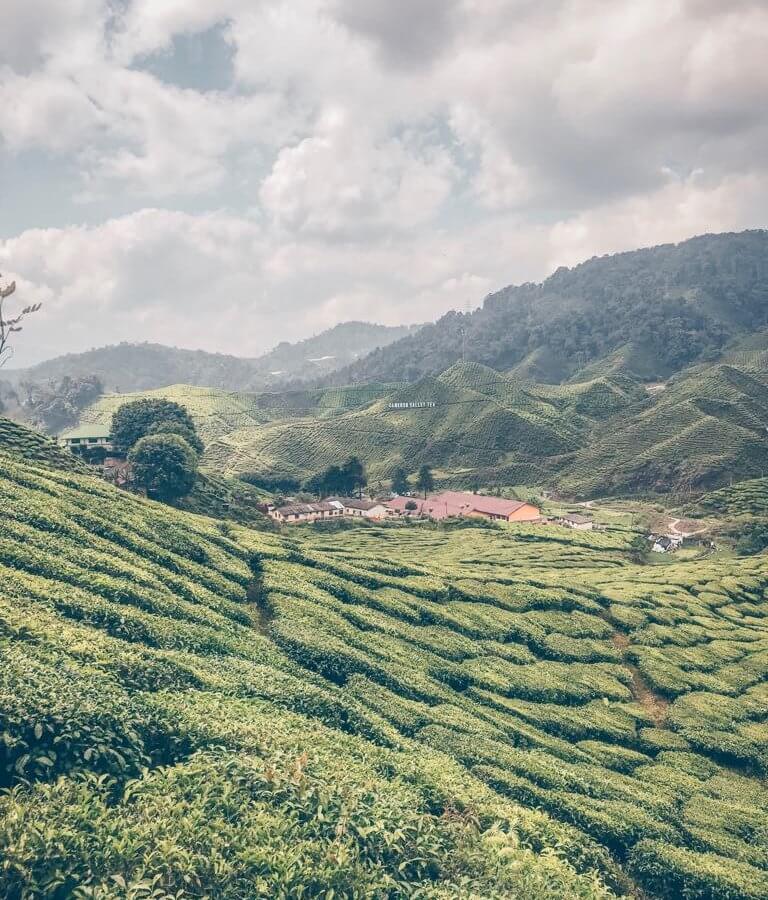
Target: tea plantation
{"type": "Point", "coordinates": [606, 435]}
{"type": "Point", "coordinates": [196, 709]}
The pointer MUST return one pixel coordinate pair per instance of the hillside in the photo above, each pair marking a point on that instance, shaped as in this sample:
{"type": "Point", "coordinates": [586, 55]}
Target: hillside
{"type": "Point", "coordinates": [607, 435]}
{"type": "Point", "coordinates": [382, 712]}
{"type": "Point", "coordinates": [25, 443]}
{"type": "Point", "coordinates": [138, 367]}
{"type": "Point", "coordinates": [481, 420]}
{"type": "Point", "coordinates": [647, 313]}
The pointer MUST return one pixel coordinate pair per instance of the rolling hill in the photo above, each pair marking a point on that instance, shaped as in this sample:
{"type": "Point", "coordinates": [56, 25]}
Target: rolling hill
{"type": "Point", "coordinates": [647, 313]}
{"type": "Point", "coordinates": [192, 710]}
{"type": "Point", "coordinates": [130, 367]}
{"type": "Point", "coordinates": [608, 435]}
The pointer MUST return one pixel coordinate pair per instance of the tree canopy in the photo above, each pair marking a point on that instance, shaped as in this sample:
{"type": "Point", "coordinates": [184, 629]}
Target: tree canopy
{"type": "Point", "coordinates": [426, 481]}
{"type": "Point", "coordinates": [343, 480]}
{"type": "Point", "coordinates": [400, 483]}
{"type": "Point", "coordinates": [165, 465]}
{"type": "Point", "coordinates": [140, 418]}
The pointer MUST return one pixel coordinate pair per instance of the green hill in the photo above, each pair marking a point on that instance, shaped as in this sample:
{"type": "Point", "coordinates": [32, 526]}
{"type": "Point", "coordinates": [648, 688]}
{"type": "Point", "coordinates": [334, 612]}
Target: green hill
{"type": "Point", "coordinates": [747, 498]}
{"type": "Point", "coordinates": [708, 426]}
{"type": "Point", "coordinates": [191, 710]}
{"type": "Point", "coordinates": [605, 435]}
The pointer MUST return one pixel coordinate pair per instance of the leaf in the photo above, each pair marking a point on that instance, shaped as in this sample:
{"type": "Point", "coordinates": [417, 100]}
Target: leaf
{"type": "Point", "coordinates": [38, 731]}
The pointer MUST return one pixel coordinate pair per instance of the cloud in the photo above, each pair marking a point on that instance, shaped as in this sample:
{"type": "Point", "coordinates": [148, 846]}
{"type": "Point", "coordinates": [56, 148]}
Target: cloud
{"type": "Point", "coordinates": [363, 159]}
{"type": "Point", "coordinates": [379, 187]}
{"type": "Point", "coordinates": [405, 33]}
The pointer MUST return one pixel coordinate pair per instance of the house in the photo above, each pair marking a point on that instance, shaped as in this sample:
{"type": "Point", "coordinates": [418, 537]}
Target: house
{"type": "Point", "coordinates": [362, 508]}
{"type": "Point", "coordinates": [304, 512]}
{"type": "Point", "coordinates": [118, 471]}
{"type": "Point", "coordinates": [579, 522]}
{"type": "Point", "coordinates": [462, 503]}
{"type": "Point", "coordinates": [663, 544]}
{"type": "Point", "coordinates": [87, 437]}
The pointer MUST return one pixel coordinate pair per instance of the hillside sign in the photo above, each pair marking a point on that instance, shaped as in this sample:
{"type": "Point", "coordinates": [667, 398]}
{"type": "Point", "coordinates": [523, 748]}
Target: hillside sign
{"type": "Point", "coordinates": [413, 404]}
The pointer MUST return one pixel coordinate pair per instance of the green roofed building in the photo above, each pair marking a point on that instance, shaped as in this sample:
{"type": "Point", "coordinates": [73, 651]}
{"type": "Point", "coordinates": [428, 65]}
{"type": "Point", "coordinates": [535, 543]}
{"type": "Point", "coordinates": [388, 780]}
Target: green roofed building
{"type": "Point", "coordinates": [87, 437]}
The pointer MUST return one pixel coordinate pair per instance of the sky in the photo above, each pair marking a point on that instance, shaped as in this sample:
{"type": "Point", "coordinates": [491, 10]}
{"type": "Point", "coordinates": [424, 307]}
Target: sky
{"type": "Point", "coordinates": [227, 174]}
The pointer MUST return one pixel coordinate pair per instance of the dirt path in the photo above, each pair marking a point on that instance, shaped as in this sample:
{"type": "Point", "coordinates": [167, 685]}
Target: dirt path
{"type": "Point", "coordinates": [257, 606]}
{"type": "Point", "coordinates": [655, 705]}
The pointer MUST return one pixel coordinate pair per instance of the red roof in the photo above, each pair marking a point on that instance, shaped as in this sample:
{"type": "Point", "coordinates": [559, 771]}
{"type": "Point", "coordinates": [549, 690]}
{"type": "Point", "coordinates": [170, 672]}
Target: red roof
{"type": "Point", "coordinates": [457, 503]}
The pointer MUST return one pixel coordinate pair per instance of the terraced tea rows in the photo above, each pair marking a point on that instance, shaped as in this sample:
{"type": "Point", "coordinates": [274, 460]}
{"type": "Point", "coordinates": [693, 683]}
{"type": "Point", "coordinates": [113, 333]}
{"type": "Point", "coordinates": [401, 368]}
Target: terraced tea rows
{"type": "Point", "coordinates": [20, 441]}
{"type": "Point", "coordinates": [157, 741]}
{"type": "Point", "coordinates": [388, 711]}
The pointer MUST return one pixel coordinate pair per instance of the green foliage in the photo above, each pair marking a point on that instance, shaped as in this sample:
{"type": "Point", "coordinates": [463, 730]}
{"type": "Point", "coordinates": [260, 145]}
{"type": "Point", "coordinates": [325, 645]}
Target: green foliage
{"type": "Point", "coordinates": [426, 480]}
{"type": "Point", "coordinates": [345, 480]}
{"type": "Point", "coordinates": [400, 483]}
{"type": "Point", "coordinates": [139, 418]}
{"type": "Point", "coordinates": [54, 406]}
{"type": "Point", "coordinates": [164, 464]}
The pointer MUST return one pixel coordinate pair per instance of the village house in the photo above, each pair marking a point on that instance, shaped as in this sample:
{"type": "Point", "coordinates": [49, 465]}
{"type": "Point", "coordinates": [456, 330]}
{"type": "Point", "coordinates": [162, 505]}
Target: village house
{"type": "Point", "coordinates": [362, 508]}
{"type": "Point", "coordinates": [304, 512]}
{"type": "Point", "coordinates": [577, 521]}
{"type": "Point", "coordinates": [462, 503]}
{"type": "Point", "coordinates": [87, 437]}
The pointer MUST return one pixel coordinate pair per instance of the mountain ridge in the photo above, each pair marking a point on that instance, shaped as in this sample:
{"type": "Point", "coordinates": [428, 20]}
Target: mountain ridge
{"type": "Point", "coordinates": [146, 365]}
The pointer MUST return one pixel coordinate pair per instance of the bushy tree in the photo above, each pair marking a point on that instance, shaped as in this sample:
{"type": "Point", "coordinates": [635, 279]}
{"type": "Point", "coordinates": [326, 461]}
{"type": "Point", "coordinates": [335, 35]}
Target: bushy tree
{"type": "Point", "coordinates": [426, 480]}
{"type": "Point", "coordinates": [165, 465]}
{"type": "Point", "coordinates": [400, 484]}
{"type": "Point", "coordinates": [353, 476]}
{"type": "Point", "coordinates": [139, 418]}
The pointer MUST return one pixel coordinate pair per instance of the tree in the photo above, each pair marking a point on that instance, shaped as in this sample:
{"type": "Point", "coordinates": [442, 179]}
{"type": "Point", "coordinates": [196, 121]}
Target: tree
{"type": "Point", "coordinates": [426, 480]}
{"type": "Point", "coordinates": [58, 404]}
{"type": "Point", "coordinates": [11, 325]}
{"type": "Point", "coordinates": [411, 505]}
{"type": "Point", "coordinates": [400, 484]}
{"type": "Point", "coordinates": [165, 465]}
{"type": "Point", "coordinates": [139, 418]}
{"type": "Point", "coordinates": [353, 476]}
{"type": "Point", "coordinates": [168, 426]}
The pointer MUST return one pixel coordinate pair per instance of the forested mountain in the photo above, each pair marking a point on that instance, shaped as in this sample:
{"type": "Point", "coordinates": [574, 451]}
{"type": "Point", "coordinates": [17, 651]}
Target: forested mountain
{"type": "Point", "coordinates": [648, 312]}
{"type": "Point", "coordinates": [138, 367]}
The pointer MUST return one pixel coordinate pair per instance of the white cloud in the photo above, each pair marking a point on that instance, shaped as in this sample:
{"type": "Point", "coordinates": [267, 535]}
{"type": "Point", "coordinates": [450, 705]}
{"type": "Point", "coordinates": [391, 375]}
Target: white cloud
{"type": "Point", "coordinates": [375, 159]}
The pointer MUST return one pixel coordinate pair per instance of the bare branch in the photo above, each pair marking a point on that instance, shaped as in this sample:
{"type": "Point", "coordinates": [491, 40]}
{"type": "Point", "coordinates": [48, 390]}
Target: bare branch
{"type": "Point", "coordinates": [12, 325]}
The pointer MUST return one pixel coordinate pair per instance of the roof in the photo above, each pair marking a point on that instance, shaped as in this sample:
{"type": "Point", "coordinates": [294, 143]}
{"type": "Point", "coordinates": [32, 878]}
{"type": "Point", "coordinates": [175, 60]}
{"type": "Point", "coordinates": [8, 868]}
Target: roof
{"type": "Point", "coordinates": [457, 503]}
{"type": "Point", "coordinates": [355, 503]}
{"type": "Point", "coordinates": [664, 542]}
{"type": "Point", "coordinates": [87, 431]}
{"type": "Point", "coordinates": [304, 508]}
{"type": "Point", "coordinates": [577, 519]}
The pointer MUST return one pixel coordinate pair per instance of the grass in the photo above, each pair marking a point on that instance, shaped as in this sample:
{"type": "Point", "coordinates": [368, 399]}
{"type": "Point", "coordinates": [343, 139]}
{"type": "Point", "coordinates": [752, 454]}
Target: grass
{"type": "Point", "coordinates": [196, 708]}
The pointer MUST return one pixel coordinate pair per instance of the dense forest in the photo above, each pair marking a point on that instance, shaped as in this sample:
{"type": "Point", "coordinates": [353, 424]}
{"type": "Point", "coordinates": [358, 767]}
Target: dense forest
{"type": "Point", "coordinates": [655, 311]}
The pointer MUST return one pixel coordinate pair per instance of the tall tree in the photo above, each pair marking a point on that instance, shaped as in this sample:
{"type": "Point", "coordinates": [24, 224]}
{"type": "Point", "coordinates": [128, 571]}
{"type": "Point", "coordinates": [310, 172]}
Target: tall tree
{"type": "Point", "coordinates": [165, 465]}
{"type": "Point", "coordinates": [354, 477]}
{"type": "Point", "coordinates": [400, 484]}
{"type": "Point", "coordinates": [12, 325]}
{"type": "Point", "coordinates": [426, 480]}
{"type": "Point", "coordinates": [139, 418]}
